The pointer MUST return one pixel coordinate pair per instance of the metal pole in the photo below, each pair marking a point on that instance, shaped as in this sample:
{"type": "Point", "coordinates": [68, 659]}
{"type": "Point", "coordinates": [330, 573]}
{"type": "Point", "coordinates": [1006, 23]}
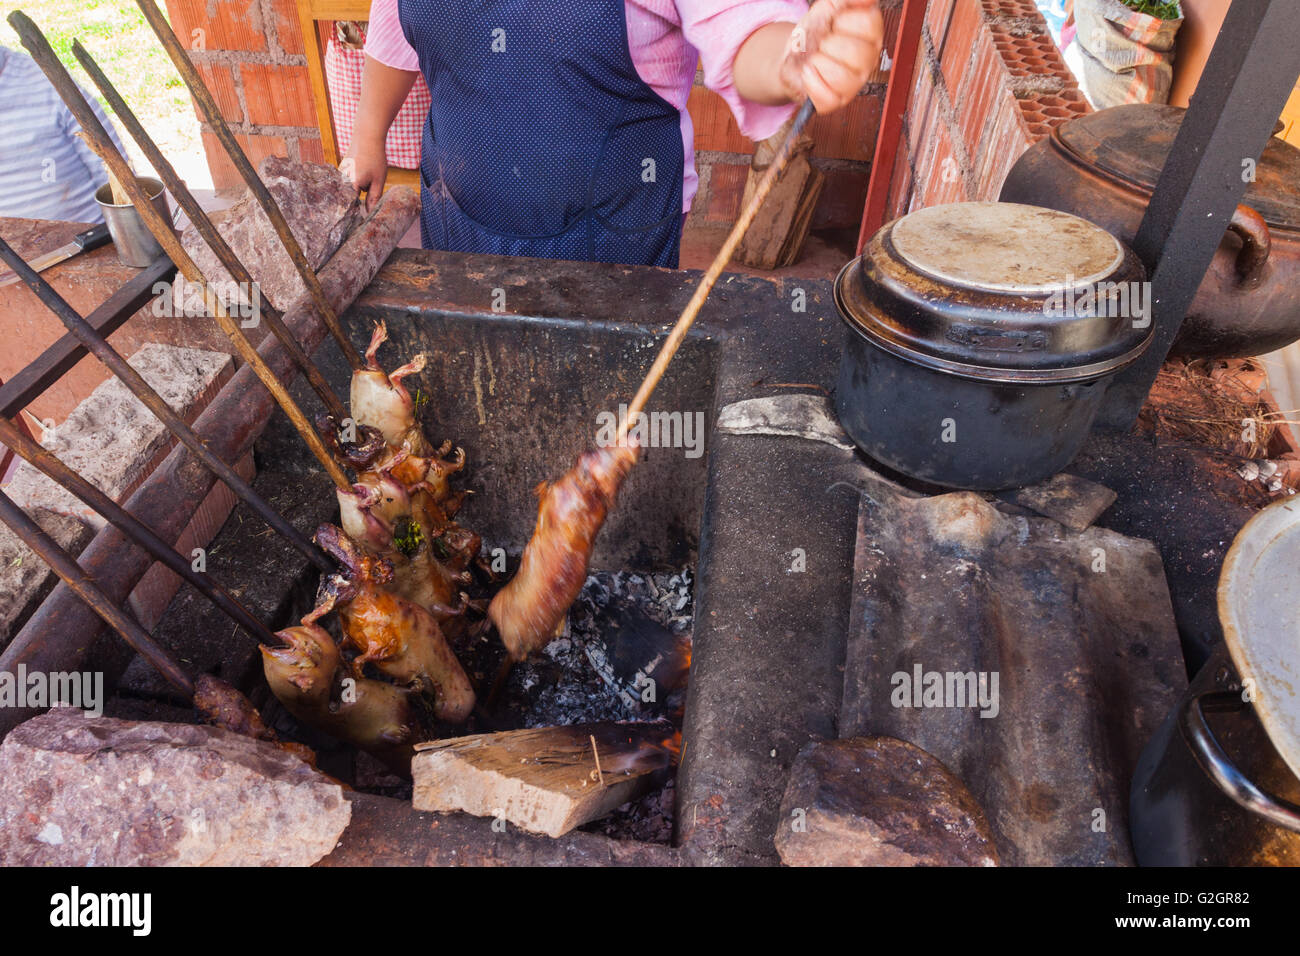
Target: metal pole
{"type": "Point", "coordinates": [1251, 71]}
{"type": "Point", "coordinates": [66, 568]}
{"type": "Point", "coordinates": [212, 115]}
{"type": "Point", "coordinates": [203, 224]}
{"type": "Point", "coordinates": [48, 463]}
{"type": "Point", "coordinates": [142, 390]}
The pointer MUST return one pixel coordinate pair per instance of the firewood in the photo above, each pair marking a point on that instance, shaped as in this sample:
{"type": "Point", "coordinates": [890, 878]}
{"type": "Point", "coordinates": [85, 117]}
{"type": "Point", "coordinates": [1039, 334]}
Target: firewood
{"type": "Point", "coordinates": [544, 780]}
{"type": "Point", "coordinates": [778, 233]}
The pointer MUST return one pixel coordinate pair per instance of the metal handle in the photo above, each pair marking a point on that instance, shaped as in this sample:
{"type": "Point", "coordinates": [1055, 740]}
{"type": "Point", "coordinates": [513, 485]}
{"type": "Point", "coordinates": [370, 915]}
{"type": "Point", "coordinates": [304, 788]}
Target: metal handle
{"type": "Point", "coordinates": [1255, 241]}
{"type": "Point", "coordinates": [1218, 765]}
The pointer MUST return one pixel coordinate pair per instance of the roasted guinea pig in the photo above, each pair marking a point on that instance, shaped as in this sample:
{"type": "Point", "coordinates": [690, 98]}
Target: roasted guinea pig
{"type": "Point", "coordinates": [306, 677]}
{"type": "Point", "coordinates": [406, 563]}
{"type": "Point", "coordinates": [430, 474]}
{"type": "Point", "coordinates": [400, 638]}
{"type": "Point", "coordinates": [359, 445]}
{"type": "Point", "coordinates": [381, 401]}
{"type": "Point", "coordinates": [530, 609]}
{"type": "Point", "coordinates": [370, 511]}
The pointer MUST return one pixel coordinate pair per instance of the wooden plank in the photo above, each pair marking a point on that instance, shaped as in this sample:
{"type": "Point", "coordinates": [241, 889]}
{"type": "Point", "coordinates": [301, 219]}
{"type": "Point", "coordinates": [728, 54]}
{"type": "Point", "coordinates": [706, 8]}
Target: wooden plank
{"type": "Point", "coordinates": [889, 139]}
{"type": "Point", "coordinates": [313, 46]}
{"type": "Point", "coordinates": [546, 779]}
{"type": "Point", "coordinates": [315, 18]}
{"type": "Point", "coordinates": [21, 390]}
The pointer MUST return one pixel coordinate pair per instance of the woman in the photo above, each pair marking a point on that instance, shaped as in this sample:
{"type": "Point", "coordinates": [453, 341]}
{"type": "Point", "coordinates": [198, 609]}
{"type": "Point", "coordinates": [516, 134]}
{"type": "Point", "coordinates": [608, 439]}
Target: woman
{"type": "Point", "coordinates": [559, 129]}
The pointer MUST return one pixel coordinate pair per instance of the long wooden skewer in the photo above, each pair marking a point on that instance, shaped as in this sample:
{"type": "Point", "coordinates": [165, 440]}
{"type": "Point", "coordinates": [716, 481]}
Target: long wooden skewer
{"type": "Point", "coordinates": [98, 346]}
{"type": "Point", "coordinates": [102, 145]}
{"type": "Point", "coordinates": [687, 318]}
{"type": "Point", "coordinates": [167, 173]}
{"type": "Point", "coordinates": [207, 105]}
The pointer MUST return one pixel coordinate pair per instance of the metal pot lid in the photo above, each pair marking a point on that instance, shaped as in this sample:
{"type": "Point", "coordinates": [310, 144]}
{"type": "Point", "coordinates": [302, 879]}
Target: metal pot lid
{"type": "Point", "coordinates": [1131, 143]}
{"type": "Point", "coordinates": [1004, 247]}
{"type": "Point", "coordinates": [999, 292]}
{"type": "Point", "coordinates": [1261, 619]}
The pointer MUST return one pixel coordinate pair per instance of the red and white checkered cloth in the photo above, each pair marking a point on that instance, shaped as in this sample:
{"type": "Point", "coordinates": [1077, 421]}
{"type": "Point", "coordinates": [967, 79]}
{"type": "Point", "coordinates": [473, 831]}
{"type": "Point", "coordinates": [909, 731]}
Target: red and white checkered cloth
{"type": "Point", "coordinates": [343, 77]}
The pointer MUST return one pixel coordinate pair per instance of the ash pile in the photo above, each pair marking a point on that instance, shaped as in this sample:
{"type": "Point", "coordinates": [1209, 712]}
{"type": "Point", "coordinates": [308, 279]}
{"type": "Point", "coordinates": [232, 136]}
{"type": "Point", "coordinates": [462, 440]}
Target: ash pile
{"type": "Point", "coordinates": [624, 655]}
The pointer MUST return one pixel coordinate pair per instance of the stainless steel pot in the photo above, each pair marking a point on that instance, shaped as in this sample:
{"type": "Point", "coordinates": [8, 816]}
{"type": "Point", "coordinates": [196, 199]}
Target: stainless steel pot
{"type": "Point", "coordinates": [1104, 167]}
{"type": "Point", "coordinates": [1219, 783]}
{"type": "Point", "coordinates": [980, 338]}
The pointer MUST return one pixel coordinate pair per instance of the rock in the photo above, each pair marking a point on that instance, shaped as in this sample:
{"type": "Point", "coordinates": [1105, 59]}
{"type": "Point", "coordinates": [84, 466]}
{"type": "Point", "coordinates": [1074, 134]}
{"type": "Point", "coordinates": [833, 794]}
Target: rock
{"type": "Point", "coordinates": [1073, 501]}
{"type": "Point", "coordinates": [25, 579]}
{"type": "Point", "coordinates": [878, 801]}
{"type": "Point", "coordinates": [112, 440]}
{"type": "Point", "coordinates": [797, 416]}
{"type": "Point", "coordinates": [321, 208]}
{"type": "Point", "coordinates": [78, 791]}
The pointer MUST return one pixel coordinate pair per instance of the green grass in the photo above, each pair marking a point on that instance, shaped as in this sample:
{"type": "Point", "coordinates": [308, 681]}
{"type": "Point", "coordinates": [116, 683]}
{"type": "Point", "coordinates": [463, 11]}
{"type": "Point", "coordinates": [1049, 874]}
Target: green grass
{"type": "Point", "coordinates": [1159, 9]}
{"type": "Point", "coordinates": [116, 35]}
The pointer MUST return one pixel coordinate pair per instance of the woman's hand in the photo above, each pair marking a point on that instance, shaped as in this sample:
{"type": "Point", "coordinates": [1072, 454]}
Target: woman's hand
{"type": "Point", "coordinates": [832, 51]}
{"type": "Point", "coordinates": [366, 165]}
{"type": "Point", "coordinates": [383, 91]}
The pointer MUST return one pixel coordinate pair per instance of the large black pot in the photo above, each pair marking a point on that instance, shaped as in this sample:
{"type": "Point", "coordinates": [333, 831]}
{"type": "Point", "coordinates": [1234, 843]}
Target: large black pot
{"type": "Point", "coordinates": [964, 364]}
{"type": "Point", "coordinates": [1104, 167]}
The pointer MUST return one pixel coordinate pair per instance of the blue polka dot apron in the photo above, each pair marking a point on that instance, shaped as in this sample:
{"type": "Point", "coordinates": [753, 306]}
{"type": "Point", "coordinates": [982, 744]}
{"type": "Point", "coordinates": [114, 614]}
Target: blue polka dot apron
{"type": "Point", "coordinates": [542, 139]}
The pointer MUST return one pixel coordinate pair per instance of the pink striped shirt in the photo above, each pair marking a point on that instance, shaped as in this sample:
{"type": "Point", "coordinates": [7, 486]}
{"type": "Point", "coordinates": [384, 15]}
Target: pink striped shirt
{"type": "Point", "coordinates": [666, 38]}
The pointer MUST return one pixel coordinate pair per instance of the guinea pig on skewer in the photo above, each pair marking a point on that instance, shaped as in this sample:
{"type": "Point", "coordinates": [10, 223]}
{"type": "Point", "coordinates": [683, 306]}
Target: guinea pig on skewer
{"type": "Point", "coordinates": [402, 639]}
{"type": "Point", "coordinates": [307, 676]}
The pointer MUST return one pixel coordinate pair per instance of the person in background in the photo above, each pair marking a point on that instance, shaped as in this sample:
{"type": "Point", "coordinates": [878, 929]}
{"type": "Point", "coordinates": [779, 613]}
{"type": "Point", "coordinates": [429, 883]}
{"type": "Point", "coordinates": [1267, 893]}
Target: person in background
{"type": "Point", "coordinates": [559, 129]}
{"type": "Point", "coordinates": [46, 171]}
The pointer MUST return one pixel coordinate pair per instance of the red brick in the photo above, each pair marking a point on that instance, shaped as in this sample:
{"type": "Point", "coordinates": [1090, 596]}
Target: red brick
{"type": "Point", "coordinates": [224, 175]}
{"type": "Point", "coordinates": [959, 43]}
{"type": "Point", "coordinates": [277, 95]}
{"type": "Point", "coordinates": [220, 81]}
{"type": "Point", "coordinates": [922, 106]}
{"type": "Point", "coordinates": [978, 91]}
{"type": "Point", "coordinates": [900, 186]}
{"type": "Point", "coordinates": [849, 133]}
{"type": "Point", "coordinates": [715, 127]}
{"type": "Point", "coordinates": [726, 189]}
{"type": "Point", "coordinates": [939, 180]}
{"type": "Point", "coordinates": [284, 15]}
{"type": "Point", "coordinates": [234, 25]}
{"type": "Point", "coordinates": [311, 151]}
{"type": "Point", "coordinates": [937, 14]}
{"type": "Point", "coordinates": [1004, 140]}
{"type": "Point", "coordinates": [892, 17]}
{"type": "Point", "coordinates": [1020, 9]}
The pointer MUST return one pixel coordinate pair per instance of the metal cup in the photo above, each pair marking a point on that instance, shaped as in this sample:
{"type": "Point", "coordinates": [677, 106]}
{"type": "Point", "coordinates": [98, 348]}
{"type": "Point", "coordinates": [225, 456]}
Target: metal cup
{"type": "Point", "coordinates": [136, 246]}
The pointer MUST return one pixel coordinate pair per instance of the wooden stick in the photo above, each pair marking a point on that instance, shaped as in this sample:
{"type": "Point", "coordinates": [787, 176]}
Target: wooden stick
{"type": "Point", "coordinates": [115, 188]}
{"type": "Point", "coordinates": [214, 239]}
{"type": "Point", "coordinates": [207, 105]}
{"type": "Point", "coordinates": [102, 145]}
{"type": "Point", "coordinates": [687, 318]}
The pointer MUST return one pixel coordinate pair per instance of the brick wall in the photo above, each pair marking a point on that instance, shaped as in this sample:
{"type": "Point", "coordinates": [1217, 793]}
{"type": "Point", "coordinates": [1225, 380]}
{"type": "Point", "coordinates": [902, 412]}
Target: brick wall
{"type": "Point", "coordinates": [988, 83]}
{"type": "Point", "coordinates": [844, 142]}
{"type": "Point", "coordinates": [250, 54]}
